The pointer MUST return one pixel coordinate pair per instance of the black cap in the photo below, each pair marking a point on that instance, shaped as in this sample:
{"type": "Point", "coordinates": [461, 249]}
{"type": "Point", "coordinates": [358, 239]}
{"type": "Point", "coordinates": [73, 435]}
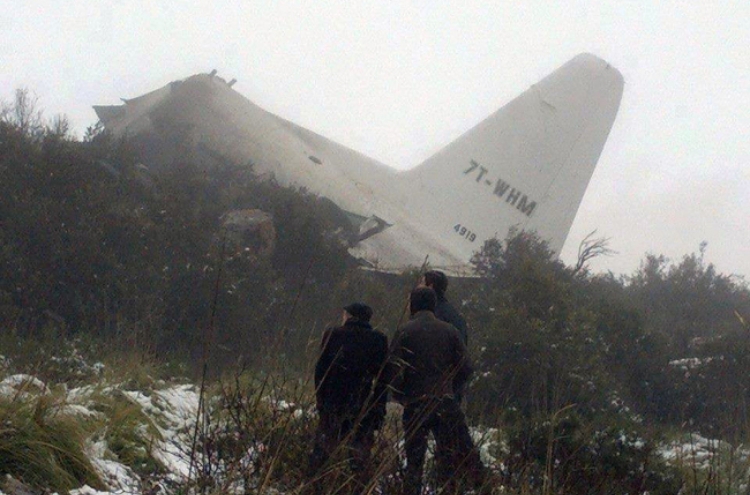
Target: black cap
{"type": "Point", "coordinates": [437, 281]}
{"type": "Point", "coordinates": [359, 310]}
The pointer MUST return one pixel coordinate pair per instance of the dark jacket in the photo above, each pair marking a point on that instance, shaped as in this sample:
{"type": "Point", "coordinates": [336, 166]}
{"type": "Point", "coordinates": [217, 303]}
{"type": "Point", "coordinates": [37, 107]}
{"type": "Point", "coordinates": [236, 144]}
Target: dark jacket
{"type": "Point", "coordinates": [445, 311]}
{"type": "Point", "coordinates": [427, 360]}
{"type": "Point", "coordinates": [347, 374]}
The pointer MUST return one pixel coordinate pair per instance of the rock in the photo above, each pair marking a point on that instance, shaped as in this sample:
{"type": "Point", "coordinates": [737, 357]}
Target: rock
{"type": "Point", "coordinates": [249, 232]}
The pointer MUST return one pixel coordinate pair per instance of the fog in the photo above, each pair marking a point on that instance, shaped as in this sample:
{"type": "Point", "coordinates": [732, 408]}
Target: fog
{"type": "Point", "coordinates": [399, 81]}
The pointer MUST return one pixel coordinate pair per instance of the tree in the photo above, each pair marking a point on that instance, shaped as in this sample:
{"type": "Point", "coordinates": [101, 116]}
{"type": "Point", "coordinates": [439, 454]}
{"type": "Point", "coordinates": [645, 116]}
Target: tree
{"type": "Point", "coordinates": [24, 114]}
{"type": "Point", "coordinates": [688, 302]}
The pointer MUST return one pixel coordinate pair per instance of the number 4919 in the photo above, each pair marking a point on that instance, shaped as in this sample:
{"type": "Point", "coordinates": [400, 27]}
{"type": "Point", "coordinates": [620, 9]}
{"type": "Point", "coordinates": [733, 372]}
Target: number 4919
{"type": "Point", "coordinates": [465, 233]}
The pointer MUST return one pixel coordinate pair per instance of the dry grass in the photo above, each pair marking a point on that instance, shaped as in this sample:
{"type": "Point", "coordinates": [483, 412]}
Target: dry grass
{"type": "Point", "coordinates": [43, 447]}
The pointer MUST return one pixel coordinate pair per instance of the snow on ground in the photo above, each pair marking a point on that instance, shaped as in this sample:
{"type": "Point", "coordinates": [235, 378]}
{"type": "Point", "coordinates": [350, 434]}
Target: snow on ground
{"type": "Point", "coordinates": [80, 394]}
{"type": "Point", "coordinates": [488, 442]}
{"type": "Point", "coordinates": [171, 410]}
{"type": "Point", "coordinates": [712, 457]}
{"type": "Point", "coordinates": [117, 476]}
{"type": "Point", "coordinates": [87, 490]}
{"type": "Point", "coordinates": [174, 411]}
{"type": "Point", "coordinates": [21, 385]}
{"type": "Point", "coordinates": [22, 380]}
{"type": "Point", "coordinates": [703, 453]}
{"type": "Point", "coordinates": [282, 405]}
{"type": "Point", "coordinates": [687, 364]}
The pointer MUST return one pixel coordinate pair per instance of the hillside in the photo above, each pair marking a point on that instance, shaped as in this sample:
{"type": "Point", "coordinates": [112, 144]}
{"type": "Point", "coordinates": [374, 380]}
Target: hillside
{"type": "Point", "coordinates": [171, 272]}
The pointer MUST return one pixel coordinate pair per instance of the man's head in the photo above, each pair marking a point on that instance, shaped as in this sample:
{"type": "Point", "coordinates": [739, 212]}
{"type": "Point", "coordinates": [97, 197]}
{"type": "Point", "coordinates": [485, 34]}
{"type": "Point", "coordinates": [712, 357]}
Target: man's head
{"type": "Point", "coordinates": [422, 299]}
{"type": "Point", "coordinates": [359, 311]}
{"type": "Point", "coordinates": [437, 281]}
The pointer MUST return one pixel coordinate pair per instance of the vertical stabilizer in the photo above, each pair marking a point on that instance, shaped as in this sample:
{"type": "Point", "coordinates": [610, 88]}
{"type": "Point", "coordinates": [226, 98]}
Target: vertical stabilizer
{"type": "Point", "coordinates": [527, 165]}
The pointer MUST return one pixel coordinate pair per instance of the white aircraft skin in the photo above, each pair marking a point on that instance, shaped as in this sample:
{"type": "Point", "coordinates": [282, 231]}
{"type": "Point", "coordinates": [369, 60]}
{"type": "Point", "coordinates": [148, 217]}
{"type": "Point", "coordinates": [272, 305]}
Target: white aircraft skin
{"type": "Point", "coordinates": [527, 165]}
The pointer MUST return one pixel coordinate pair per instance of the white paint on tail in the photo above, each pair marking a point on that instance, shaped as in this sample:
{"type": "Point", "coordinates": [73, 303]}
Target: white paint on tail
{"type": "Point", "coordinates": [527, 165]}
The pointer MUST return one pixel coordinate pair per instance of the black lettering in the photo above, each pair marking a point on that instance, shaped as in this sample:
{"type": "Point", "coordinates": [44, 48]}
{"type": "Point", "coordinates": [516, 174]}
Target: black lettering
{"type": "Point", "coordinates": [501, 187]}
{"type": "Point", "coordinates": [481, 173]}
{"type": "Point", "coordinates": [473, 167]}
{"type": "Point", "coordinates": [513, 196]}
{"type": "Point", "coordinates": [526, 208]}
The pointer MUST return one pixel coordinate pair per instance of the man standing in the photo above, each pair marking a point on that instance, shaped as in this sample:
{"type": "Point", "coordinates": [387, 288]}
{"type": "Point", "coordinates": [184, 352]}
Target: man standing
{"type": "Point", "coordinates": [350, 393]}
{"type": "Point", "coordinates": [428, 363]}
{"type": "Point", "coordinates": [444, 310]}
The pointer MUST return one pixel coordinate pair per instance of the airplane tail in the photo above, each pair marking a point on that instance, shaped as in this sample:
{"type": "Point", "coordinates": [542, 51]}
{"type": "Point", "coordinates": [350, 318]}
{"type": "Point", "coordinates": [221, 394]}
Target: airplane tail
{"type": "Point", "coordinates": [527, 165]}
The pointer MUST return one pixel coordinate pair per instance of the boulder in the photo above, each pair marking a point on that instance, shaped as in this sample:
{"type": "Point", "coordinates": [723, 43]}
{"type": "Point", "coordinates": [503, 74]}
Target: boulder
{"type": "Point", "coordinates": [249, 232]}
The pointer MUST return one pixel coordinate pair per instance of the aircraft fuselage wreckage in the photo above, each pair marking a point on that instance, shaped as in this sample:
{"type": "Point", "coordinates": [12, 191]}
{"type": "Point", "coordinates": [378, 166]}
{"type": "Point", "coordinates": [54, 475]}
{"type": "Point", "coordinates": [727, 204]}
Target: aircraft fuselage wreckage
{"type": "Point", "coordinates": [527, 165]}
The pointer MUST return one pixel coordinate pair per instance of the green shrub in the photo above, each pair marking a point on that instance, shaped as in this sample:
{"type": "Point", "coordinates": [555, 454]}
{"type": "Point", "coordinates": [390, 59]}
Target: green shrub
{"type": "Point", "coordinates": [566, 453]}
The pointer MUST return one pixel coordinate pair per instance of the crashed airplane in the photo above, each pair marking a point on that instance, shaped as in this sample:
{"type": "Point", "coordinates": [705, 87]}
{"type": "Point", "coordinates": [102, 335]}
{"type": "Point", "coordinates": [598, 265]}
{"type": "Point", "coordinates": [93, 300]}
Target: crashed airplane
{"type": "Point", "coordinates": [527, 165]}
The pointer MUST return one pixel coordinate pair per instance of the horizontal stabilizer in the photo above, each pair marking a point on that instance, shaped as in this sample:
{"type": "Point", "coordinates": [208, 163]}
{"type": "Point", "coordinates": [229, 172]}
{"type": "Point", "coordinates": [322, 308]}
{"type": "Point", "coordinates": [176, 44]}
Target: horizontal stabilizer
{"type": "Point", "coordinates": [107, 113]}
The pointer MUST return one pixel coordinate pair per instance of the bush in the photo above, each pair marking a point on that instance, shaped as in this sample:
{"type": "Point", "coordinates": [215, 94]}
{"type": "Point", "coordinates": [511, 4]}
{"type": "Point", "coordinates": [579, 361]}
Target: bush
{"type": "Point", "coordinates": [540, 350]}
{"type": "Point", "coordinates": [566, 453]}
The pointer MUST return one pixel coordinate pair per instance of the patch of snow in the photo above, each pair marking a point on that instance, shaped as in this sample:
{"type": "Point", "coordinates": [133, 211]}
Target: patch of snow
{"type": "Point", "coordinates": [79, 410]}
{"type": "Point", "coordinates": [173, 411]}
{"type": "Point", "coordinates": [87, 490]}
{"type": "Point", "coordinates": [138, 398]}
{"type": "Point", "coordinates": [22, 380]}
{"type": "Point", "coordinates": [174, 455]}
{"type": "Point", "coordinates": [80, 394]}
{"type": "Point", "coordinates": [704, 453]}
{"type": "Point", "coordinates": [486, 439]}
{"type": "Point", "coordinates": [281, 405]}
{"type": "Point", "coordinates": [181, 404]}
{"type": "Point", "coordinates": [19, 385]}
{"type": "Point", "coordinates": [687, 364]}
{"type": "Point", "coordinates": [118, 477]}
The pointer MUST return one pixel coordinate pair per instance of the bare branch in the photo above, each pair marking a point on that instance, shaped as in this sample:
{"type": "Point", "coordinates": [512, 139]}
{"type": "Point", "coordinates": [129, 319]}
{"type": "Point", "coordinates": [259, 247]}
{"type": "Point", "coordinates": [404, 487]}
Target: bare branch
{"type": "Point", "coordinates": [23, 113]}
{"type": "Point", "coordinates": [59, 126]}
{"type": "Point", "coordinates": [591, 248]}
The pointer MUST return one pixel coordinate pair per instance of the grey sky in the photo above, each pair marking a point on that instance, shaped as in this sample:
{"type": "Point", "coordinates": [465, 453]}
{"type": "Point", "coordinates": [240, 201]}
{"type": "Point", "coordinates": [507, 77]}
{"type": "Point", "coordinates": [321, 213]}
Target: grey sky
{"type": "Point", "coordinates": [398, 80]}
